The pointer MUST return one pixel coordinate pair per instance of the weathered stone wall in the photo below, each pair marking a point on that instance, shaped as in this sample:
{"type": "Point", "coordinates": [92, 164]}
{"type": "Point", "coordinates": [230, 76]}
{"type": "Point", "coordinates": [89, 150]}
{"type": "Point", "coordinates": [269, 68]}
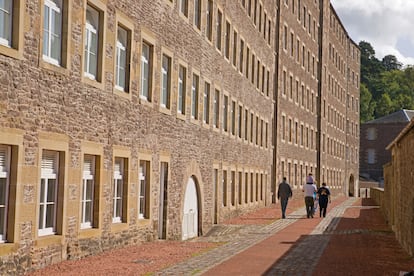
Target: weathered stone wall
{"type": "Point", "coordinates": [56, 108]}
{"type": "Point", "coordinates": [398, 198]}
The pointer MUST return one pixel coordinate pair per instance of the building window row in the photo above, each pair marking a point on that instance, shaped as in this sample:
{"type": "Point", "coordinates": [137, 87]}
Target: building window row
{"type": "Point", "coordinates": [292, 46]}
{"type": "Point", "coordinates": [242, 187]}
{"type": "Point", "coordinates": [296, 171]}
{"type": "Point", "coordinates": [304, 17]}
{"type": "Point", "coordinates": [50, 200]}
{"type": "Point", "coordinates": [297, 133]}
{"type": "Point", "coordinates": [335, 118]}
{"type": "Point", "coordinates": [261, 20]}
{"type": "Point", "coordinates": [332, 177]}
{"type": "Point", "coordinates": [336, 89]}
{"type": "Point", "coordinates": [295, 91]}
{"type": "Point", "coordinates": [333, 147]}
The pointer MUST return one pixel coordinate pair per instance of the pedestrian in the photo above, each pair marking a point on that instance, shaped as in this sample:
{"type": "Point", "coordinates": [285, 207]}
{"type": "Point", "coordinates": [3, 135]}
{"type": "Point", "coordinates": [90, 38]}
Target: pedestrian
{"type": "Point", "coordinates": [309, 188]}
{"type": "Point", "coordinates": [284, 192]}
{"type": "Point", "coordinates": [324, 195]}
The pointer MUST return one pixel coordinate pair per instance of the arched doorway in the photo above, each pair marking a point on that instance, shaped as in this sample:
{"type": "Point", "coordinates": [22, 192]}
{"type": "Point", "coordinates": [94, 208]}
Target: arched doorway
{"type": "Point", "coordinates": [351, 185]}
{"type": "Point", "coordinates": [190, 210]}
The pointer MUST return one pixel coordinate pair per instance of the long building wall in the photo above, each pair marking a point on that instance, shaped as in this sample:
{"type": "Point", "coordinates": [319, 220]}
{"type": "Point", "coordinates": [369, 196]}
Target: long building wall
{"type": "Point", "coordinates": [149, 119]}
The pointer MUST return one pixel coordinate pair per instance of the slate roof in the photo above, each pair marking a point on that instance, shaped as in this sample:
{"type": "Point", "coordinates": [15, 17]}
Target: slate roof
{"type": "Point", "coordinates": [400, 116]}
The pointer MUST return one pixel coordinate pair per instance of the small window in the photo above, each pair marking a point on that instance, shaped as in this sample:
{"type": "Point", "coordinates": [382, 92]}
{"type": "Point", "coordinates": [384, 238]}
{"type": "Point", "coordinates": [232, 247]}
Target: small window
{"type": "Point", "coordinates": [197, 14]}
{"type": "Point", "coordinates": [219, 29]}
{"type": "Point", "coordinates": [194, 96]}
{"type": "Point", "coordinates": [146, 71]}
{"type": "Point", "coordinates": [5, 152]}
{"type": "Point", "coordinates": [225, 113]}
{"type": "Point", "coordinates": [371, 156]}
{"type": "Point", "coordinates": [92, 42]}
{"type": "Point", "coordinates": [119, 193]}
{"type": "Point", "coordinates": [6, 18]}
{"type": "Point", "coordinates": [89, 193]}
{"type": "Point", "coordinates": [48, 200]}
{"type": "Point", "coordinates": [371, 133]}
{"type": "Point", "coordinates": [184, 7]}
{"type": "Point", "coordinates": [144, 190]}
{"type": "Point", "coordinates": [123, 52]}
{"type": "Point", "coordinates": [182, 84]}
{"type": "Point", "coordinates": [206, 103]}
{"type": "Point", "coordinates": [52, 31]}
{"type": "Point", "coordinates": [209, 27]}
{"type": "Point", "coordinates": [165, 81]}
{"type": "Point", "coordinates": [216, 107]}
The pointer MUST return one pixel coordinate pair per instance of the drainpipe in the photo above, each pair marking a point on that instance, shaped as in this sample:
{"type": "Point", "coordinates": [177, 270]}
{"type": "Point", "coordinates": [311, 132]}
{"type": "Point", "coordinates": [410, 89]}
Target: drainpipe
{"type": "Point", "coordinates": [275, 102]}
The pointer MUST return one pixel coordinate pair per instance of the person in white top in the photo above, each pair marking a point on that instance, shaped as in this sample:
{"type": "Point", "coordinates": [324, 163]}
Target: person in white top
{"type": "Point", "coordinates": [309, 189]}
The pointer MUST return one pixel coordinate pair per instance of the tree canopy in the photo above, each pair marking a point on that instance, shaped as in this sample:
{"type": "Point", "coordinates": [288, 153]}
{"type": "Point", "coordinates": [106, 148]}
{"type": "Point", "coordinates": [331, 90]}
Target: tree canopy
{"type": "Point", "coordinates": [386, 85]}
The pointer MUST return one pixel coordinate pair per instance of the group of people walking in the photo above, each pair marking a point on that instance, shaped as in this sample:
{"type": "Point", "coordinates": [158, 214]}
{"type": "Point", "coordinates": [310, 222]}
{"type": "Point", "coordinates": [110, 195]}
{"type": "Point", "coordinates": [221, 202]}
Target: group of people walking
{"type": "Point", "coordinates": [314, 196]}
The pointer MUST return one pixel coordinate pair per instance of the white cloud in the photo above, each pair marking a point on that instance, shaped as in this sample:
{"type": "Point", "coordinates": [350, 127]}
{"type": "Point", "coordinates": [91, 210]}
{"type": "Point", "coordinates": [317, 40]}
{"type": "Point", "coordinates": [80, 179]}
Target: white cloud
{"type": "Point", "coordinates": [387, 24]}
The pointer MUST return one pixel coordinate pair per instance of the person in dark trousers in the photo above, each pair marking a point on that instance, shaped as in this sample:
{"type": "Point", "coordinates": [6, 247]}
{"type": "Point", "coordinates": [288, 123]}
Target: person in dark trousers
{"type": "Point", "coordinates": [284, 192]}
{"type": "Point", "coordinates": [324, 195]}
{"type": "Point", "coordinates": [309, 188]}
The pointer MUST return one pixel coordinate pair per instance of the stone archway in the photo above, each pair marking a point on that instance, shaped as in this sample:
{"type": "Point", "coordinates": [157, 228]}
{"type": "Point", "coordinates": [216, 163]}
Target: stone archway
{"type": "Point", "coordinates": [191, 210]}
{"type": "Point", "coordinates": [351, 186]}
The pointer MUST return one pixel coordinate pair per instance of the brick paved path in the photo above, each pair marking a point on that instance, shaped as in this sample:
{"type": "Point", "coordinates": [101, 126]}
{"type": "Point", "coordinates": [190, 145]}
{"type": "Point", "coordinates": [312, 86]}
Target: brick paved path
{"type": "Point", "coordinates": [346, 242]}
{"type": "Point", "coordinates": [250, 235]}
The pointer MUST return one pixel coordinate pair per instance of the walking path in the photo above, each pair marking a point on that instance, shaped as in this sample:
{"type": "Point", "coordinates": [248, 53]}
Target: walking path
{"type": "Point", "coordinates": [353, 239]}
{"type": "Point", "coordinates": [254, 236]}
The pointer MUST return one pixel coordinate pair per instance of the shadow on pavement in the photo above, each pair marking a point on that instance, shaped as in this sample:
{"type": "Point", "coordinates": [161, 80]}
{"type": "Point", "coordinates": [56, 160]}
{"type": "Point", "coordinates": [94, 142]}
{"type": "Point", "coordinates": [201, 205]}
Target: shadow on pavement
{"type": "Point", "coordinates": [357, 243]}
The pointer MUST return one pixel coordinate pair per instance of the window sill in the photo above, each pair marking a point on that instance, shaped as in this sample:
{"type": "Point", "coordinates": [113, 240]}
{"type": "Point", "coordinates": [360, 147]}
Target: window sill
{"type": "Point", "coordinates": [89, 233]}
{"type": "Point", "coordinates": [43, 241]}
{"type": "Point", "coordinates": [8, 248]}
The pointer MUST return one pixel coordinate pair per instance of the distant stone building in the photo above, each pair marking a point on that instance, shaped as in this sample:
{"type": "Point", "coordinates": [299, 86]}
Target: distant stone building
{"type": "Point", "coordinates": [376, 135]}
{"type": "Point", "coordinates": [128, 121]}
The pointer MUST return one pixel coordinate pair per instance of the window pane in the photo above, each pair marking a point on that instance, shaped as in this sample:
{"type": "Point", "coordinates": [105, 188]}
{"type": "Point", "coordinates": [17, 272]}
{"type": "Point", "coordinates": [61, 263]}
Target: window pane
{"type": "Point", "coordinates": [89, 190]}
{"type": "Point", "coordinates": [42, 191]}
{"type": "Point", "coordinates": [5, 22]}
{"type": "Point", "coordinates": [51, 188]}
{"type": "Point", "coordinates": [50, 215]}
{"type": "Point", "coordinates": [3, 191]}
{"type": "Point", "coordinates": [46, 33]}
{"type": "Point", "coordinates": [88, 211]}
{"type": "Point", "coordinates": [41, 216]}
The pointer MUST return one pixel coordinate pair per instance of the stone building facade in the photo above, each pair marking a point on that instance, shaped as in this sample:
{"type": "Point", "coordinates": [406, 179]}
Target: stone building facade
{"type": "Point", "coordinates": [398, 194]}
{"type": "Point", "coordinates": [317, 106]}
{"type": "Point", "coordinates": [123, 123]}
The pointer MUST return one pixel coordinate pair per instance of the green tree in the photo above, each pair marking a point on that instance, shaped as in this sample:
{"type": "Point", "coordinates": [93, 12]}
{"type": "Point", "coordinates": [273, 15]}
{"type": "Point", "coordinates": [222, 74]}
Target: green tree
{"type": "Point", "coordinates": [384, 106]}
{"type": "Point", "coordinates": [390, 62]}
{"type": "Point", "coordinates": [367, 104]}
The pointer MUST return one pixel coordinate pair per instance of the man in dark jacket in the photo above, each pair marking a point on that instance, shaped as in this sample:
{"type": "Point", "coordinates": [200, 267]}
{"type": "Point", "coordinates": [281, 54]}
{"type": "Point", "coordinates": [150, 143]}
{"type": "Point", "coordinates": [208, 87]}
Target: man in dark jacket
{"type": "Point", "coordinates": [283, 193]}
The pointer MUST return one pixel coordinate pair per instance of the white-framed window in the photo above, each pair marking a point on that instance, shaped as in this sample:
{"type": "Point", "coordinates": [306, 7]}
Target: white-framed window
{"type": "Point", "coordinates": [224, 188]}
{"type": "Point", "coordinates": [49, 183]}
{"type": "Point", "coordinates": [146, 71]}
{"type": "Point", "coordinates": [182, 89]}
{"type": "Point", "coordinates": [6, 22]}
{"type": "Point", "coordinates": [209, 21]}
{"type": "Point", "coordinates": [118, 190]}
{"type": "Point", "coordinates": [225, 113]}
{"type": "Point", "coordinates": [144, 189]}
{"type": "Point", "coordinates": [233, 117]}
{"type": "Point", "coordinates": [197, 14]}
{"type": "Point", "coordinates": [121, 65]}
{"type": "Point", "coordinates": [87, 193]}
{"type": "Point", "coordinates": [165, 81]}
{"type": "Point", "coordinates": [52, 31]}
{"type": "Point", "coordinates": [206, 103]}
{"type": "Point", "coordinates": [194, 96]}
{"type": "Point", "coordinates": [219, 29]}
{"type": "Point", "coordinates": [216, 111]}
{"type": "Point", "coordinates": [5, 152]}
{"type": "Point", "coordinates": [91, 43]}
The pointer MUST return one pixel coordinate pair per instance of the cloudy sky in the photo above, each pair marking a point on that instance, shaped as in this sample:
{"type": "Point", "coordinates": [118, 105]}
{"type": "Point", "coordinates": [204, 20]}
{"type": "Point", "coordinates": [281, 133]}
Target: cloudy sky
{"type": "Point", "coordinates": [388, 25]}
